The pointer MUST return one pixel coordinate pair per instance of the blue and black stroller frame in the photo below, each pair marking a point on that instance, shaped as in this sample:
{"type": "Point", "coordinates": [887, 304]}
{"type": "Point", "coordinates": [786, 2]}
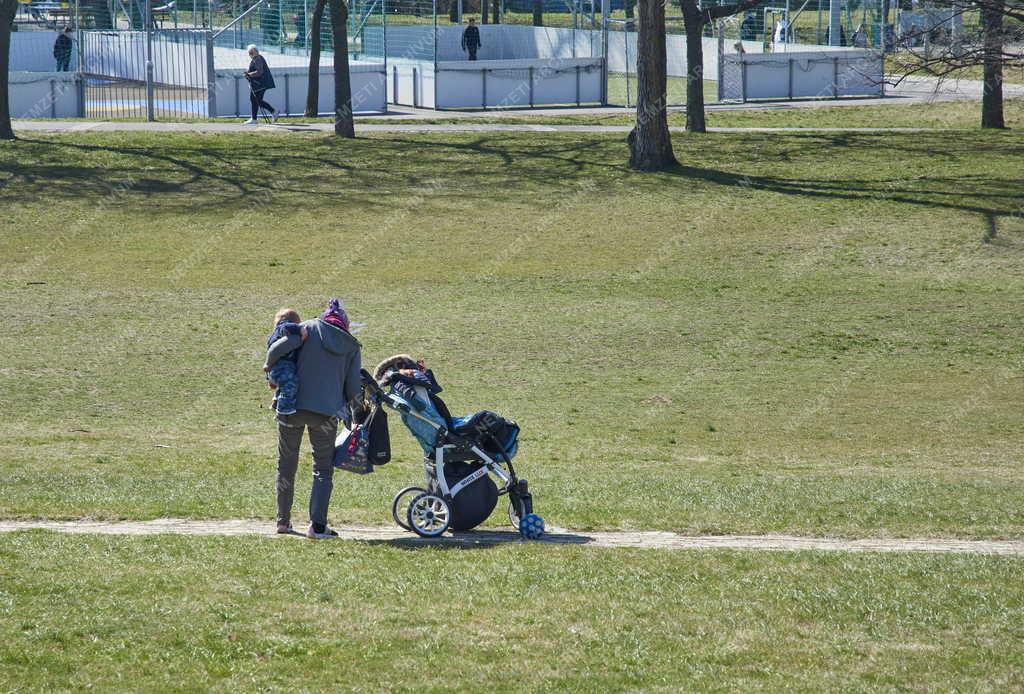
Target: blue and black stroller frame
{"type": "Point", "coordinates": [467, 460]}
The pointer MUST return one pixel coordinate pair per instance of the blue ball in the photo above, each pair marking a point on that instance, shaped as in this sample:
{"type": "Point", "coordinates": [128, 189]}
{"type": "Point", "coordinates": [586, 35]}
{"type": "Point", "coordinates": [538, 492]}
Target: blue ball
{"type": "Point", "coordinates": [531, 526]}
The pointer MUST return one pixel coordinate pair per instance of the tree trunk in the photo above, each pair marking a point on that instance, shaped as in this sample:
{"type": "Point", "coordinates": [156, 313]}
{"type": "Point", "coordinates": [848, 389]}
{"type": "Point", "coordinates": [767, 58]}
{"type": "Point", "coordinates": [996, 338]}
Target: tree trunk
{"type": "Point", "coordinates": [495, 11]}
{"type": "Point", "coordinates": [313, 82]}
{"type": "Point", "coordinates": [343, 122]}
{"type": "Point", "coordinates": [650, 145]}
{"type": "Point", "coordinates": [693, 21]}
{"type": "Point", "coordinates": [992, 87]}
{"type": "Point", "coordinates": [483, 11]}
{"type": "Point", "coordinates": [538, 13]}
{"type": "Point", "coordinates": [8, 8]}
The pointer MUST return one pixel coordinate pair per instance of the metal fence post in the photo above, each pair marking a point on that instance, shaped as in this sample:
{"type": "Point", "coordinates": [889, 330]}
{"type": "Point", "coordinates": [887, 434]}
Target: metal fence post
{"type": "Point", "coordinates": [743, 77]}
{"type": "Point", "coordinates": [625, 36]}
{"type": "Point", "coordinates": [434, 6]}
{"type": "Point", "coordinates": [149, 62]}
{"type": "Point", "coordinates": [211, 78]}
{"type": "Point", "coordinates": [881, 71]}
{"type": "Point", "coordinates": [605, 12]}
{"type": "Point", "coordinates": [80, 67]}
{"type": "Point", "coordinates": [287, 96]}
{"type": "Point", "coordinates": [789, 78]}
{"type": "Point", "coordinates": [721, 55]}
{"type": "Point", "coordinates": [80, 91]}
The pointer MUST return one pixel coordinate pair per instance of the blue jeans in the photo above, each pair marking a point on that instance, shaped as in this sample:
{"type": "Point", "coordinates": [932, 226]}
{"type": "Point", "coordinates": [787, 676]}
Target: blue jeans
{"type": "Point", "coordinates": [284, 374]}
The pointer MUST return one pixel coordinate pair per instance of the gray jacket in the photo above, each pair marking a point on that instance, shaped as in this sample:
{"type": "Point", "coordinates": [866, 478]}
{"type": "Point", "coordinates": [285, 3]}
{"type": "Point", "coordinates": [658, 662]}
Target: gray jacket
{"type": "Point", "coordinates": [328, 367]}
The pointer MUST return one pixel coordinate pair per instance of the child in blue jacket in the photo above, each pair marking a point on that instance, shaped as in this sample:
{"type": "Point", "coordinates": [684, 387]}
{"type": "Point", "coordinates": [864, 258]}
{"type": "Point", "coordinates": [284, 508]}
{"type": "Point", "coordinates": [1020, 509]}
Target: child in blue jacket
{"type": "Point", "coordinates": [283, 375]}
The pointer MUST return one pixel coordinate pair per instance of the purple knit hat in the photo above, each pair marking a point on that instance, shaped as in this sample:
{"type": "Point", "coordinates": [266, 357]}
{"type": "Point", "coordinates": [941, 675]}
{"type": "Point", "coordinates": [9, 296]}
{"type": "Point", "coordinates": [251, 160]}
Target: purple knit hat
{"type": "Point", "coordinates": [335, 315]}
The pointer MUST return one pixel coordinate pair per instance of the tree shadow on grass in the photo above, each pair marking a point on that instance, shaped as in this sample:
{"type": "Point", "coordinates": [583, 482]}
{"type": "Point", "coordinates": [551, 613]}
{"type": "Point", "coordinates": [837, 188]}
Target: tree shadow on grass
{"type": "Point", "coordinates": [442, 166]}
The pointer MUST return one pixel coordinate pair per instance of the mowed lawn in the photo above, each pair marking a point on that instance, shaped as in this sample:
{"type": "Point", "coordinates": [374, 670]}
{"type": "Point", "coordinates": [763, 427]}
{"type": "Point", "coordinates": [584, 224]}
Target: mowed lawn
{"type": "Point", "coordinates": [802, 333]}
{"type": "Point", "coordinates": [848, 113]}
{"type": "Point", "coordinates": [261, 614]}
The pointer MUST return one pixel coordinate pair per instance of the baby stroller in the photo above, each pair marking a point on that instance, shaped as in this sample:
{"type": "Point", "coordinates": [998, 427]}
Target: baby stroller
{"type": "Point", "coordinates": [463, 456]}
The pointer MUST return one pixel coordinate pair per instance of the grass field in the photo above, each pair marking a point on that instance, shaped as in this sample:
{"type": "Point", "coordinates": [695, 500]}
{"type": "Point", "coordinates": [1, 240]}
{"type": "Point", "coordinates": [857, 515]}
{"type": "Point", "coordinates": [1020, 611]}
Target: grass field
{"type": "Point", "coordinates": [943, 115]}
{"type": "Point", "coordinates": [760, 341]}
{"type": "Point", "coordinates": [263, 615]}
{"type": "Point", "coordinates": [802, 333]}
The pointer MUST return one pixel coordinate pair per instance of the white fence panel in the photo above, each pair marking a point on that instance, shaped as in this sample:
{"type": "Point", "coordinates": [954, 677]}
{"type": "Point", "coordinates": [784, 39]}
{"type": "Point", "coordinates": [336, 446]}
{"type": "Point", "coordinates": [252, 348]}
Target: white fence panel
{"type": "Point", "coordinates": [32, 51]}
{"type": "Point", "coordinates": [803, 74]}
{"type": "Point", "coordinates": [231, 91]}
{"type": "Point", "coordinates": [498, 84]}
{"type": "Point", "coordinates": [44, 95]}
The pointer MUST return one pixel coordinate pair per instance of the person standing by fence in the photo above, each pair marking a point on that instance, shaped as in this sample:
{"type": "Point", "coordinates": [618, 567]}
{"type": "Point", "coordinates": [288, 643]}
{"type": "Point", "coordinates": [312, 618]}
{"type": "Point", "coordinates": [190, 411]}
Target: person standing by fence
{"type": "Point", "coordinates": [62, 50]}
{"type": "Point", "coordinates": [260, 80]}
{"type": "Point", "coordinates": [471, 39]}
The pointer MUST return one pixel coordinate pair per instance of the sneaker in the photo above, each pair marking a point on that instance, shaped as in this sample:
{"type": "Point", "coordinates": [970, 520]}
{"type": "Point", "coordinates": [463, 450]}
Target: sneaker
{"type": "Point", "coordinates": [284, 528]}
{"type": "Point", "coordinates": [273, 117]}
{"type": "Point", "coordinates": [326, 534]}
{"type": "Point", "coordinates": [251, 121]}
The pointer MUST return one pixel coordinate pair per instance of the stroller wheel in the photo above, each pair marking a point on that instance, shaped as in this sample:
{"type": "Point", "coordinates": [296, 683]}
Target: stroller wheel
{"type": "Point", "coordinates": [429, 515]}
{"type": "Point", "coordinates": [400, 505]}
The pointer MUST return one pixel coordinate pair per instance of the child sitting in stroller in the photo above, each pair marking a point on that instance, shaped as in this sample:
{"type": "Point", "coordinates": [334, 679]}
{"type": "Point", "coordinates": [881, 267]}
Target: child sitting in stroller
{"type": "Point", "coordinates": [460, 454]}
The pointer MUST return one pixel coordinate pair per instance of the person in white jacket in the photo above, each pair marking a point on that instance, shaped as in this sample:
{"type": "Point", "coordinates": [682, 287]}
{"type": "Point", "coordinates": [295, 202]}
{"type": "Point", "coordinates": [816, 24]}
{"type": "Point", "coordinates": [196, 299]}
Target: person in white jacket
{"type": "Point", "coordinates": [781, 33]}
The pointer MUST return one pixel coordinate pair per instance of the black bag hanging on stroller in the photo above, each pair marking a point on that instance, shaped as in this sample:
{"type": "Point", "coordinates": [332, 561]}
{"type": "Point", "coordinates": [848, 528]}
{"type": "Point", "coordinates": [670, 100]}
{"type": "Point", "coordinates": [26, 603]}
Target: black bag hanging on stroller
{"type": "Point", "coordinates": [379, 450]}
{"type": "Point", "coordinates": [475, 502]}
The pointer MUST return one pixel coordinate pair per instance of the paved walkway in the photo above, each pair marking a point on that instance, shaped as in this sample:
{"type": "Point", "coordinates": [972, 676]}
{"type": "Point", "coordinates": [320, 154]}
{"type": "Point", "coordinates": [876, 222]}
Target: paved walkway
{"type": "Point", "coordinates": [403, 119]}
{"type": "Point", "coordinates": [557, 536]}
{"type": "Point", "coordinates": [283, 127]}
{"type": "Point", "coordinates": [910, 90]}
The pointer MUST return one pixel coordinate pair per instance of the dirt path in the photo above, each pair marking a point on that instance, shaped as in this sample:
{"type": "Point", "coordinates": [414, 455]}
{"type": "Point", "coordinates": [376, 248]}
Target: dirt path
{"type": "Point", "coordinates": [284, 128]}
{"type": "Point", "coordinates": [557, 536]}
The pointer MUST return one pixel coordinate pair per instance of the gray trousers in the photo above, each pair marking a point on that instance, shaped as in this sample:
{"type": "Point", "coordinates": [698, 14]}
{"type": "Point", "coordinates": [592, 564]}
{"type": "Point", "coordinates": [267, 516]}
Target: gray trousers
{"type": "Point", "coordinates": [322, 432]}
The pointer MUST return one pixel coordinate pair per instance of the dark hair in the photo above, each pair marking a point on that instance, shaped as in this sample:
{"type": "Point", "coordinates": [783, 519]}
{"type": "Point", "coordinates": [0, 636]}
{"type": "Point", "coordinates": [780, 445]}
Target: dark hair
{"type": "Point", "coordinates": [67, 28]}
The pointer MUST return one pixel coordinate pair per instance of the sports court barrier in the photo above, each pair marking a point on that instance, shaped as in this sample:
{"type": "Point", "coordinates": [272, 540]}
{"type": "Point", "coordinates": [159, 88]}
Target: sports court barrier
{"type": "Point", "coordinates": [792, 75]}
{"type": "Point", "coordinates": [522, 83]}
{"type": "Point", "coordinates": [45, 94]}
{"type": "Point", "coordinates": [32, 51]}
{"type": "Point", "coordinates": [231, 90]}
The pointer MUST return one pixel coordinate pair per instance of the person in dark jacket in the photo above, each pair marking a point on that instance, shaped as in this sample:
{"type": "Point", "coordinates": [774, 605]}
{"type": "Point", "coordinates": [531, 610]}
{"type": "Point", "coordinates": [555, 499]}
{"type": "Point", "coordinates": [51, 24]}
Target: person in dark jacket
{"type": "Point", "coordinates": [748, 27]}
{"type": "Point", "coordinates": [471, 39]}
{"type": "Point", "coordinates": [62, 50]}
{"type": "Point", "coordinates": [260, 80]}
{"type": "Point", "coordinates": [329, 380]}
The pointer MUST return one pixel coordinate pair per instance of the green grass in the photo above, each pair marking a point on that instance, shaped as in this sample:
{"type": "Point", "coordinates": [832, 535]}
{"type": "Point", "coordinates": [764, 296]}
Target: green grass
{"type": "Point", "coordinates": [789, 333]}
{"type": "Point", "coordinates": [942, 115]}
{"type": "Point", "coordinates": [939, 115]}
{"type": "Point", "coordinates": [247, 614]}
{"type": "Point", "coordinates": [622, 90]}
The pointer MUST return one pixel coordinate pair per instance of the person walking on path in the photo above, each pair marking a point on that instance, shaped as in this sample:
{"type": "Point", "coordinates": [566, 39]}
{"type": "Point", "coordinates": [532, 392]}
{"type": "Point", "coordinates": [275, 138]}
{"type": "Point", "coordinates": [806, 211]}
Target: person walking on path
{"type": "Point", "coordinates": [471, 39]}
{"type": "Point", "coordinates": [329, 380]}
{"type": "Point", "coordinates": [62, 50]}
{"type": "Point", "coordinates": [260, 80]}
